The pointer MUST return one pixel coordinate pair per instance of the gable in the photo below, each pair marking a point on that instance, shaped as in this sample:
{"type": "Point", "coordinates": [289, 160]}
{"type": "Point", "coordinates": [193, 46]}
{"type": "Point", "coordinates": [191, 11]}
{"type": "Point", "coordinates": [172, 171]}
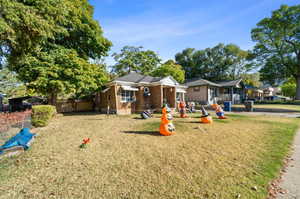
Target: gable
{"type": "Point", "coordinates": [169, 81]}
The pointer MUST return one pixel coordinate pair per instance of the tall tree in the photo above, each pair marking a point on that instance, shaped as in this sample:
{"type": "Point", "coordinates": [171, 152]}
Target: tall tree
{"type": "Point", "coordinates": [239, 61]}
{"type": "Point", "coordinates": [36, 35]}
{"type": "Point", "coordinates": [278, 45]}
{"type": "Point", "coordinates": [187, 61]}
{"type": "Point", "coordinates": [61, 71]}
{"type": "Point", "coordinates": [220, 62]}
{"type": "Point", "coordinates": [288, 88]}
{"type": "Point", "coordinates": [252, 79]}
{"type": "Point", "coordinates": [170, 68]}
{"type": "Point", "coordinates": [135, 59]}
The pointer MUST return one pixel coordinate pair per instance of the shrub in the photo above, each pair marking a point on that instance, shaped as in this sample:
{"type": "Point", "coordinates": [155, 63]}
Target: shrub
{"type": "Point", "coordinates": [41, 115]}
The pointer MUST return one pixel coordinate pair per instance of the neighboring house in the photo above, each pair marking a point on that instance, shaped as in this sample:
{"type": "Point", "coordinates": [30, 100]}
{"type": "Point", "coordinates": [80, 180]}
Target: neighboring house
{"type": "Point", "coordinates": [134, 93]}
{"type": "Point", "coordinates": [23, 103]}
{"type": "Point", "coordinates": [273, 93]}
{"type": "Point", "coordinates": [253, 93]}
{"type": "Point", "coordinates": [201, 90]}
{"type": "Point", "coordinates": [207, 92]}
{"type": "Point", "coordinates": [269, 92]}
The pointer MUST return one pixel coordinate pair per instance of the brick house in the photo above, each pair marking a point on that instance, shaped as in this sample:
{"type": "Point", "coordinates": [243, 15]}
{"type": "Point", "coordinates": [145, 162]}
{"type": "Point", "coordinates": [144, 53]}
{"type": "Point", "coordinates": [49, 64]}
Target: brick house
{"type": "Point", "coordinates": [207, 92]}
{"type": "Point", "coordinates": [134, 93]}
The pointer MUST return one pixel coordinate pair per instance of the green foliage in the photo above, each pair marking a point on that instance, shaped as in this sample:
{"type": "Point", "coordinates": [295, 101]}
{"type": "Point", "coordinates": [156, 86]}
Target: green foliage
{"type": "Point", "coordinates": [170, 68]}
{"type": "Point", "coordinates": [42, 114]}
{"type": "Point", "coordinates": [289, 88]}
{"type": "Point", "coordinates": [278, 44]}
{"type": "Point", "coordinates": [47, 23]}
{"type": "Point", "coordinates": [222, 62]}
{"type": "Point", "coordinates": [135, 59]}
{"type": "Point", "coordinates": [252, 79]}
{"type": "Point", "coordinates": [61, 71]}
{"type": "Point", "coordinates": [49, 42]}
{"type": "Point", "coordinates": [10, 85]}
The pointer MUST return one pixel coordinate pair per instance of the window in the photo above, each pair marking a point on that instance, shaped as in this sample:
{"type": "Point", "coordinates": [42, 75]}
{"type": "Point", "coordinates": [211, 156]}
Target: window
{"type": "Point", "coordinates": [179, 97]}
{"type": "Point", "coordinates": [196, 89]}
{"type": "Point", "coordinates": [227, 91]}
{"type": "Point", "coordinates": [214, 92]}
{"type": "Point", "coordinates": [127, 96]}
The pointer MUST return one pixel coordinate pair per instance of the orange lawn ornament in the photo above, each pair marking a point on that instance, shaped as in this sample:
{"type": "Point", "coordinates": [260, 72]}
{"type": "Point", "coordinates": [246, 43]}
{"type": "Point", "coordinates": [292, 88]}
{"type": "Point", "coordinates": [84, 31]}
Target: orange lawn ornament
{"type": "Point", "coordinates": [182, 109]}
{"type": "Point", "coordinates": [219, 111]}
{"type": "Point", "coordinates": [166, 126]}
{"type": "Point", "coordinates": [205, 118]}
{"type": "Point", "coordinates": [84, 143]}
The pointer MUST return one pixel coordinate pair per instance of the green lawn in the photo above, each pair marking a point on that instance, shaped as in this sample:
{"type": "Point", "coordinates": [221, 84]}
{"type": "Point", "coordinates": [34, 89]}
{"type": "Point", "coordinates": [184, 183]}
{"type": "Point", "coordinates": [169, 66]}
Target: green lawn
{"type": "Point", "coordinates": [127, 158]}
{"type": "Point", "coordinates": [273, 106]}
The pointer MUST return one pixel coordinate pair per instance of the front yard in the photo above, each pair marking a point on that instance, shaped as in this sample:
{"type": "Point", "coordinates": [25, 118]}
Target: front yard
{"type": "Point", "coordinates": [127, 158]}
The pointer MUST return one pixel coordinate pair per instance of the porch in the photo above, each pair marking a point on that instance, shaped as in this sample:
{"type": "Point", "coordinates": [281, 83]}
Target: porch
{"type": "Point", "coordinates": [219, 95]}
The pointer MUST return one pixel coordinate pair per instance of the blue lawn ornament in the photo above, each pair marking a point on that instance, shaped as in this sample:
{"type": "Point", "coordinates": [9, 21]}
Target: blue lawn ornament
{"type": "Point", "coordinates": [23, 139]}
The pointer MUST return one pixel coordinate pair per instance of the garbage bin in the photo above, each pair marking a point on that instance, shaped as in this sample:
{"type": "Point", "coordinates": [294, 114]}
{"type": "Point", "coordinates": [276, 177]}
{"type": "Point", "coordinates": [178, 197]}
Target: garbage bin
{"type": "Point", "coordinates": [249, 106]}
{"type": "Point", "coordinates": [227, 106]}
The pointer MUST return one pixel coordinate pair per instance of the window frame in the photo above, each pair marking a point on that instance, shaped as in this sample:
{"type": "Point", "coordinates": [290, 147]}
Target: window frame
{"type": "Point", "coordinates": [196, 88]}
{"type": "Point", "coordinates": [127, 96]}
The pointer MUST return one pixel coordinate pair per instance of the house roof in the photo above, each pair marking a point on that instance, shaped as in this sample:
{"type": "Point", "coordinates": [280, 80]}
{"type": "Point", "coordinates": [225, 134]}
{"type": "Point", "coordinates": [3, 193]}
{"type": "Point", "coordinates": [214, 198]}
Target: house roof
{"type": "Point", "coordinates": [230, 83]}
{"type": "Point", "coordinates": [204, 82]}
{"type": "Point", "coordinates": [200, 82]}
{"type": "Point", "coordinates": [25, 98]}
{"type": "Point", "coordinates": [137, 78]}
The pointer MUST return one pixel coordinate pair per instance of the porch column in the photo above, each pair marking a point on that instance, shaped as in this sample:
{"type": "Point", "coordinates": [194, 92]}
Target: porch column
{"type": "Point", "coordinates": [172, 97]}
{"type": "Point", "coordinates": [156, 97]}
{"type": "Point", "coordinates": [232, 95]}
{"type": "Point", "coordinates": [117, 98]}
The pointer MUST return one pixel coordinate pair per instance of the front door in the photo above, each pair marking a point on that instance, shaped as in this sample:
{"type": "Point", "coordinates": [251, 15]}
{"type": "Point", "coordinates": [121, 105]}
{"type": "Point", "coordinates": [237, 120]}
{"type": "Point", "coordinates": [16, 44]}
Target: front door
{"type": "Point", "coordinates": [169, 96]}
{"type": "Point", "coordinates": [212, 94]}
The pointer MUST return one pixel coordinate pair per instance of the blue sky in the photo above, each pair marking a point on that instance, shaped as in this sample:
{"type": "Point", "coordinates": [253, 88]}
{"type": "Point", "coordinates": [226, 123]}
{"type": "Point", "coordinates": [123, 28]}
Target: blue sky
{"type": "Point", "coordinates": [169, 26]}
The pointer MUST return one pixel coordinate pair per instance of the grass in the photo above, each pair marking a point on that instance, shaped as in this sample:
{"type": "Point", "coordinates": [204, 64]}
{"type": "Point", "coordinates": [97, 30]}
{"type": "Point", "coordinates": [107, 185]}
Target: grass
{"type": "Point", "coordinates": [127, 158]}
{"type": "Point", "coordinates": [283, 107]}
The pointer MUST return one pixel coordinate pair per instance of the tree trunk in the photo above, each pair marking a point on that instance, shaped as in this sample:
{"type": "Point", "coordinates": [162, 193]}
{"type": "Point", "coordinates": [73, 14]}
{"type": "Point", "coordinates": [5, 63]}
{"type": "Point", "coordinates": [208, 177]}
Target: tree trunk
{"type": "Point", "coordinates": [298, 87]}
{"type": "Point", "coordinates": [52, 99]}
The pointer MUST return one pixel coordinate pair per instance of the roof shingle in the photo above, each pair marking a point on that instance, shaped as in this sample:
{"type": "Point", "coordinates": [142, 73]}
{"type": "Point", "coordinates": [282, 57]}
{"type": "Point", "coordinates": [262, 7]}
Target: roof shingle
{"type": "Point", "coordinates": [137, 78]}
{"type": "Point", "coordinates": [201, 82]}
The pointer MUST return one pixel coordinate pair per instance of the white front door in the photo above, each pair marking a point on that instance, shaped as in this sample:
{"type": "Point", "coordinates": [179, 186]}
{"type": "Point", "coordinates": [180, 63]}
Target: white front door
{"type": "Point", "coordinates": [212, 94]}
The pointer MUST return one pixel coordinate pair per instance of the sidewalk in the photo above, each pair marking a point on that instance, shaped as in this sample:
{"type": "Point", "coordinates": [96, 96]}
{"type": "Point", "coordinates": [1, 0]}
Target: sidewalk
{"type": "Point", "coordinates": [291, 179]}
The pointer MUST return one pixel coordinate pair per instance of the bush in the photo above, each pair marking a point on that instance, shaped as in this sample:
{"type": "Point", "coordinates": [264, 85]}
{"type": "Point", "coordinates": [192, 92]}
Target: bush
{"type": "Point", "coordinates": [41, 115]}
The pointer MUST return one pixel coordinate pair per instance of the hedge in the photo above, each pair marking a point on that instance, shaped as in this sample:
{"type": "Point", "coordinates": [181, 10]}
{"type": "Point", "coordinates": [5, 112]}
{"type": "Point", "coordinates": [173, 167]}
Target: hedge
{"type": "Point", "coordinates": [42, 114]}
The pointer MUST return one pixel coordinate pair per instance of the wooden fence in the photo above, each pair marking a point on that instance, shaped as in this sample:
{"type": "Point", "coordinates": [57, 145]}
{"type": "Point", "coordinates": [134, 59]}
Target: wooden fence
{"type": "Point", "coordinates": [74, 106]}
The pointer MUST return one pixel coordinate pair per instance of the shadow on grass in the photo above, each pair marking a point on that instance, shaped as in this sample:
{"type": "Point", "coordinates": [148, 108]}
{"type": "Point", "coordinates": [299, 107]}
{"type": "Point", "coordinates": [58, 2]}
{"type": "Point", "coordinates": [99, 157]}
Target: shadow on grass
{"type": "Point", "coordinates": [153, 133]}
{"type": "Point", "coordinates": [238, 116]}
{"type": "Point", "coordinates": [138, 118]}
{"type": "Point", "coordinates": [221, 121]}
{"type": "Point", "coordinates": [199, 116]}
{"type": "Point", "coordinates": [81, 113]}
{"type": "Point", "coordinates": [196, 122]}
